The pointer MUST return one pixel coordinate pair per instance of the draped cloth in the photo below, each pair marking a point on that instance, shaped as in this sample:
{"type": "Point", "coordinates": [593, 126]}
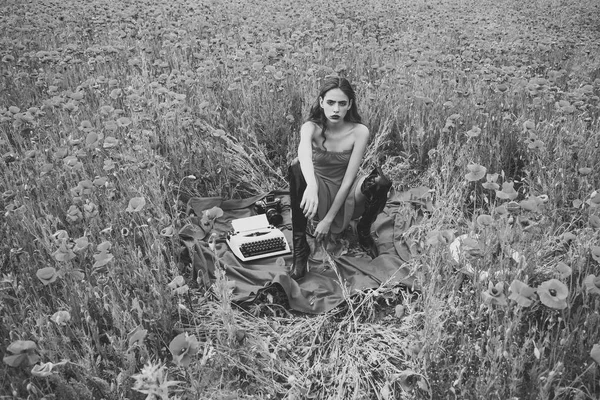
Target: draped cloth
{"type": "Point", "coordinates": [331, 276]}
{"type": "Point", "coordinates": [329, 170]}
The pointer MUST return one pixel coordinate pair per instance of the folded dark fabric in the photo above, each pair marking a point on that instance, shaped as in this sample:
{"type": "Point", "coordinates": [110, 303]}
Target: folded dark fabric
{"type": "Point", "coordinates": [330, 279]}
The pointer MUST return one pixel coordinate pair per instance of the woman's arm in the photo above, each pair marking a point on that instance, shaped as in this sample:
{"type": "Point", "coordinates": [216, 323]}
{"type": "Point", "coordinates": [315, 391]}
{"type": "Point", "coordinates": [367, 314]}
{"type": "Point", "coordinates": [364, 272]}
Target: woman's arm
{"type": "Point", "coordinates": [360, 146]}
{"type": "Point", "coordinates": [310, 198]}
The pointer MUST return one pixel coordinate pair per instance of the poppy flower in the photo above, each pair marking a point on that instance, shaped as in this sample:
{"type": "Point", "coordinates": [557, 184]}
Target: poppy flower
{"type": "Point", "coordinates": [183, 347]}
{"type": "Point", "coordinates": [61, 153]}
{"type": "Point", "coordinates": [485, 220]}
{"type": "Point", "coordinates": [410, 380]}
{"type": "Point", "coordinates": [594, 221]}
{"type": "Point", "coordinates": [521, 293]}
{"type": "Point", "coordinates": [63, 253]}
{"type": "Point", "coordinates": [592, 284]}
{"type": "Point", "coordinates": [502, 87]}
{"type": "Point", "coordinates": [111, 125]}
{"type": "Point", "coordinates": [219, 133]}
{"type": "Point", "coordinates": [176, 282]}
{"type": "Point", "coordinates": [92, 139]}
{"type": "Point", "coordinates": [595, 353]}
{"type": "Point", "coordinates": [123, 122]}
{"type": "Point", "coordinates": [563, 270]}
{"type": "Point", "coordinates": [553, 294]}
{"type": "Point", "coordinates": [530, 204]}
{"type": "Point", "coordinates": [594, 200]}
{"type": "Point", "coordinates": [137, 336]}
{"type": "Point", "coordinates": [435, 238]}
{"type": "Point", "coordinates": [106, 110]}
{"type": "Point", "coordinates": [110, 142]}
{"type": "Point", "coordinates": [136, 204]}
{"type": "Point", "coordinates": [528, 125]}
{"type": "Point", "coordinates": [104, 246]}
{"type": "Point", "coordinates": [23, 353]}
{"type": "Point", "coordinates": [115, 93]}
{"type": "Point", "coordinates": [72, 162]}
{"type": "Point", "coordinates": [77, 95]}
{"type": "Point", "coordinates": [100, 181]}
{"type": "Point", "coordinates": [70, 106]}
{"type": "Point", "coordinates": [424, 99]}
{"type": "Point", "coordinates": [102, 258]}
{"type": "Point", "coordinates": [474, 132]}
{"type": "Point", "coordinates": [208, 216]}
{"type": "Point", "coordinates": [60, 236]}
{"type": "Point", "coordinates": [494, 294]}
{"type": "Point", "coordinates": [462, 249]}
{"type": "Point", "coordinates": [491, 182]}
{"type": "Point", "coordinates": [585, 171]}
{"type": "Point", "coordinates": [167, 232]}
{"type": "Point", "coordinates": [61, 317]}
{"type": "Point", "coordinates": [74, 214]}
{"type": "Point", "coordinates": [108, 165]}
{"type": "Point", "coordinates": [595, 250]}
{"type": "Point", "coordinates": [181, 290]}
{"type": "Point", "coordinates": [47, 167]}
{"type": "Point", "coordinates": [85, 126]}
{"type": "Point", "coordinates": [86, 186]}
{"type": "Point", "coordinates": [476, 172]}
{"type": "Point", "coordinates": [90, 210]}
{"type": "Point", "coordinates": [47, 275]}
{"type": "Point", "coordinates": [501, 210]}
{"type": "Point", "coordinates": [508, 191]}
{"type": "Point", "coordinates": [568, 236]}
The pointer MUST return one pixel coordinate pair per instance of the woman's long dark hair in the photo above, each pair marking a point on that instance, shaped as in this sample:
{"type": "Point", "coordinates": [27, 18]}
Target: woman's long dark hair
{"type": "Point", "coordinates": [316, 112]}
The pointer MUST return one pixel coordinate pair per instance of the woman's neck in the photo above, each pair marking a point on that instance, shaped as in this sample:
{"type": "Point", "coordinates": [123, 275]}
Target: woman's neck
{"type": "Point", "coordinates": [337, 128]}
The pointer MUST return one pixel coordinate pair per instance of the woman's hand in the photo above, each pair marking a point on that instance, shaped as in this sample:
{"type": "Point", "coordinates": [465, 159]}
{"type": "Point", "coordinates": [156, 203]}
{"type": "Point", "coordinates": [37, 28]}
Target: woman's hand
{"type": "Point", "coordinates": [322, 230]}
{"type": "Point", "coordinates": [310, 201]}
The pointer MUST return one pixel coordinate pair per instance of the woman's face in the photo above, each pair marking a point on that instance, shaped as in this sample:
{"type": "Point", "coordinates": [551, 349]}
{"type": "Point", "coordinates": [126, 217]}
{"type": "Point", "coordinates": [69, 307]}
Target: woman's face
{"type": "Point", "coordinates": [335, 105]}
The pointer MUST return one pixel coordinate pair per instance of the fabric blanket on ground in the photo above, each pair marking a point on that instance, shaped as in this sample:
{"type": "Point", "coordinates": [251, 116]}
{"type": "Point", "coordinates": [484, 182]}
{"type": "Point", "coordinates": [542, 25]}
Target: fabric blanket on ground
{"type": "Point", "coordinates": [333, 273]}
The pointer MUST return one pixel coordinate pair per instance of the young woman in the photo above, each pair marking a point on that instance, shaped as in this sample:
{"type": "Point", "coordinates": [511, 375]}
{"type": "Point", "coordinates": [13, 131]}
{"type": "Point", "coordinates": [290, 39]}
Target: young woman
{"type": "Point", "coordinates": [324, 182]}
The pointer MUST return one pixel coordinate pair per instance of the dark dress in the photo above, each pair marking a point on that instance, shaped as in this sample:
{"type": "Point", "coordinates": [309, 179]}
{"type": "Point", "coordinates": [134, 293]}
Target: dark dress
{"type": "Point", "coordinates": [330, 167]}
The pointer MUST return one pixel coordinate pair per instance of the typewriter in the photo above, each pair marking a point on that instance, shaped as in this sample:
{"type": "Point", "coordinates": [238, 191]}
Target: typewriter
{"type": "Point", "coordinates": [253, 238]}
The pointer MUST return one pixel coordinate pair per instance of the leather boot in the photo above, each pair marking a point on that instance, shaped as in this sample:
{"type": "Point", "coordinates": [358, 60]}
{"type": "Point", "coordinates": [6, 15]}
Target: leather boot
{"type": "Point", "coordinates": [301, 248]}
{"type": "Point", "coordinates": [375, 188]}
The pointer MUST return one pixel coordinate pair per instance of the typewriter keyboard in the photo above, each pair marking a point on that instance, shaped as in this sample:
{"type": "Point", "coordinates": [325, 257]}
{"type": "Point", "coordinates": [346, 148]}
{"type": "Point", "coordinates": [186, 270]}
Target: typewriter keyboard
{"type": "Point", "coordinates": [258, 247]}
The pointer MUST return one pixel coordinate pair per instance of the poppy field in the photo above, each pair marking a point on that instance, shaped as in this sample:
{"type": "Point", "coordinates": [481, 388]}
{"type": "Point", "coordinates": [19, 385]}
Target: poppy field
{"type": "Point", "coordinates": [114, 113]}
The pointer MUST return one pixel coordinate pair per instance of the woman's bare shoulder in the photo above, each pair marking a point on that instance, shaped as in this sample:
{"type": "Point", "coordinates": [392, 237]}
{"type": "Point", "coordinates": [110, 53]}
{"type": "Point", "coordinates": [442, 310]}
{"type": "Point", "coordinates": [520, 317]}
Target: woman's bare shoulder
{"type": "Point", "coordinates": [310, 128]}
{"type": "Point", "coordinates": [361, 131]}
{"type": "Point", "coordinates": [310, 125]}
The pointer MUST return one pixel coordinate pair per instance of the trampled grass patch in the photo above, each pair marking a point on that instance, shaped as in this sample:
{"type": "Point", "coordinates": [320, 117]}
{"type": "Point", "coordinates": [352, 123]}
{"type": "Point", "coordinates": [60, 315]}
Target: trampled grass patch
{"type": "Point", "coordinates": [114, 113]}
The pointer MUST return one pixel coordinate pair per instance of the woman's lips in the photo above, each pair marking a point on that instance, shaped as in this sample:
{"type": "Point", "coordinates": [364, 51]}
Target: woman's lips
{"type": "Point", "coordinates": [335, 117]}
